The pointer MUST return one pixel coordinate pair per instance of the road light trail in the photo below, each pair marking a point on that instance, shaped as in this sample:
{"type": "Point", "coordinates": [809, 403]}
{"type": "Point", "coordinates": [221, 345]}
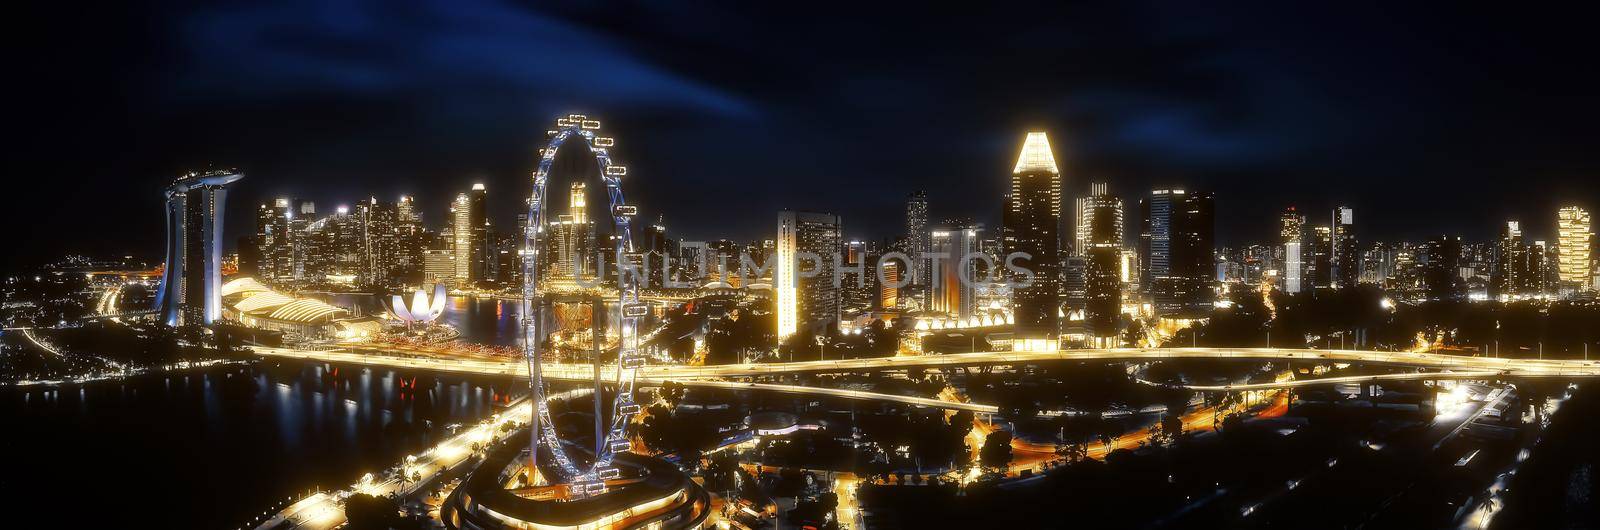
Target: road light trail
{"type": "Point", "coordinates": [585, 373]}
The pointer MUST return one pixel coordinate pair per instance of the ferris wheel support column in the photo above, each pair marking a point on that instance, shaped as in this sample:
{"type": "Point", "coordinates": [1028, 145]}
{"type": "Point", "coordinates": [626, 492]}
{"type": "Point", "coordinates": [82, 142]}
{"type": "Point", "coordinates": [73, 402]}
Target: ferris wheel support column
{"type": "Point", "coordinates": [596, 336]}
{"type": "Point", "coordinates": [531, 337]}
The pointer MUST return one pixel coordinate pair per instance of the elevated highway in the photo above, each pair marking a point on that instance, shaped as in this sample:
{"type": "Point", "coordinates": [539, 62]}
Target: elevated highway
{"type": "Point", "coordinates": [581, 373]}
{"type": "Point", "coordinates": [1435, 361]}
{"type": "Point", "coordinates": [1446, 366]}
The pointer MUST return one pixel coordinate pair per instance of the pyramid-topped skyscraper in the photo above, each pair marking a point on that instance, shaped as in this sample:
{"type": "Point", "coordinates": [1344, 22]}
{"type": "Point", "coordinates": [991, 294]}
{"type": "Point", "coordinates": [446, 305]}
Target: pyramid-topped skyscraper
{"type": "Point", "coordinates": [1032, 226]}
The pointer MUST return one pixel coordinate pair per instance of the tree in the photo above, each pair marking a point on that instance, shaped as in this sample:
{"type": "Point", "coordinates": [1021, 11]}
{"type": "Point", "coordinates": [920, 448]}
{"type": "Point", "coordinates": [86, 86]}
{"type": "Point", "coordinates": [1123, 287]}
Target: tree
{"type": "Point", "coordinates": [996, 451]}
{"type": "Point", "coordinates": [1171, 425]}
{"type": "Point", "coordinates": [673, 392]}
{"type": "Point", "coordinates": [685, 435]}
{"type": "Point", "coordinates": [369, 512]}
{"type": "Point", "coordinates": [1134, 333]}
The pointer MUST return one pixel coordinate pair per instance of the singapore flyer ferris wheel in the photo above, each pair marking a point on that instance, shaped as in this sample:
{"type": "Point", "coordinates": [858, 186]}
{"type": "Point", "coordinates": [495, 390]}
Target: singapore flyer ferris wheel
{"type": "Point", "coordinates": [583, 480]}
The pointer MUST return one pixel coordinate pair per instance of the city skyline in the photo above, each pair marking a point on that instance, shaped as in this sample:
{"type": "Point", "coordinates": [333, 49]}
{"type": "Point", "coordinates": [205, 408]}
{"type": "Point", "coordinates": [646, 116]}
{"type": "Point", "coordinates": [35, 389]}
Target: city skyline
{"type": "Point", "coordinates": [478, 265]}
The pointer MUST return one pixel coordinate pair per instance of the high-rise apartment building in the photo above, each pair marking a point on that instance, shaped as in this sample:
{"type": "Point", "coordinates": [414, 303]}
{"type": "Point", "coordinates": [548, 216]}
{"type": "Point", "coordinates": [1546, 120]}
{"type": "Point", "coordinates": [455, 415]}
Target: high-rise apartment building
{"type": "Point", "coordinates": [806, 301]}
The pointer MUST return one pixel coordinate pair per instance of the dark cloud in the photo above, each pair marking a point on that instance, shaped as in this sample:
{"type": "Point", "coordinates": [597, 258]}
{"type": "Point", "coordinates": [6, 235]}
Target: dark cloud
{"type": "Point", "coordinates": [1424, 119]}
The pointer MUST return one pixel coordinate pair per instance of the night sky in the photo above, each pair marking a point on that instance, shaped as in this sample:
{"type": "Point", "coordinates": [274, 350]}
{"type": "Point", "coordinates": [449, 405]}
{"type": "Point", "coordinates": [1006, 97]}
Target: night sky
{"type": "Point", "coordinates": [1423, 119]}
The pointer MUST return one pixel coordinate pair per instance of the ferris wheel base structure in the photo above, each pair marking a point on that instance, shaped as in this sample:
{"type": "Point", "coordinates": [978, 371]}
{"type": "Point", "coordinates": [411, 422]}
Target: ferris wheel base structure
{"type": "Point", "coordinates": [649, 493]}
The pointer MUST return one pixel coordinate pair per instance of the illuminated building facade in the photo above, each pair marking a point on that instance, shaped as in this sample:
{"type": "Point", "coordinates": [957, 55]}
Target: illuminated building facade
{"type": "Point", "coordinates": [410, 241]}
{"type": "Point", "coordinates": [1291, 230]}
{"type": "Point", "coordinates": [952, 278]}
{"type": "Point", "coordinates": [916, 241]}
{"type": "Point", "coordinates": [1510, 275]}
{"type": "Point", "coordinates": [191, 281]}
{"type": "Point", "coordinates": [275, 247]}
{"type": "Point", "coordinates": [859, 292]}
{"type": "Point", "coordinates": [1378, 264]}
{"type": "Point", "coordinates": [1575, 244]}
{"type": "Point", "coordinates": [1344, 258]}
{"type": "Point", "coordinates": [1032, 220]}
{"type": "Point", "coordinates": [478, 220]}
{"type": "Point", "coordinates": [572, 238]}
{"type": "Point", "coordinates": [1318, 256]}
{"type": "Point", "coordinates": [888, 293]}
{"type": "Point", "coordinates": [658, 250]}
{"type": "Point", "coordinates": [1100, 234]}
{"type": "Point", "coordinates": [1177, 243]}
{"type": "Point", "coordinates": [806, 302]}
{"type": "Point", "coordinates": [694, 259]}
{"type": "Point", "coordinates": [378, 240]}
{"type": "Point", "coordinates": [439, 265]}
{"type": "Point", "coordinates": [461, 238]}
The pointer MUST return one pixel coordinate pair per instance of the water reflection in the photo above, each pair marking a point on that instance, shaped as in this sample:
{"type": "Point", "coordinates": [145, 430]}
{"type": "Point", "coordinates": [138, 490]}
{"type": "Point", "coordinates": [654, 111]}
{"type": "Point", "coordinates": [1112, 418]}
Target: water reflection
{"type": "Point", "coordinates": [218, 446]}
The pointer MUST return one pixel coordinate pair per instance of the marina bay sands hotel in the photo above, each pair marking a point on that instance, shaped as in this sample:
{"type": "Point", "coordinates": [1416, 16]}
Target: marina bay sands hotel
{"type": "Point", "coordinates": [191, 280]}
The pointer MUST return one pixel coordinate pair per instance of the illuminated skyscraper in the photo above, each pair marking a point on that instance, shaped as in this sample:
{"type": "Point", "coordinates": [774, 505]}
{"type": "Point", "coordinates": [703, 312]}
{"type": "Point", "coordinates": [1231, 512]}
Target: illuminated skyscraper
{"type": "Point", "coordinates": [1100, 237]}
{"type": "Point", "coordinates": [461, 232]}
{"type": "Point", "coordinates": [273, 240]}
{"type": "Point", "coordinates": [1318, 256]}
{"type": "Point", "coordinates": [694, 261]}
{"type": "Point", "coordinates": [1506, 280]}
{"type": "Point", "coordinates": [1378, 264]}
{"type": "Point", "coordinates": [1177, 245]}
{"type": "Point", "coordinates": [802, 302]}
{"type": "Point", "coordinates": [578, 202]}
{"type": "Point", "coordinates": [859, 292]}
{"type": "Point", "coordinates": [1343, 258]}
{"type": "Point", "coordinates": [303, 248]}
{"type": "Point", "coordinates": [379, 236]}
{"type": "Point", "coordinates": [1574, 243]}
{"type": "Point", "coordinates": [888, 294]}
{"type": "Point", "coordinates": [917, 243]}
{"type": "Point", "coordinates": [481, 243]}
{"type": "Point", "coordinates": [953, 279]}
{"type": "Point", "coordinates": [572, 239]}
{"type": "Point", "coordinates": [1033, 220]}
{"type": "Point", "coordinates": [1291, 230]}
{"type": "Point", "coordinates": [659, 249]}
{"type": "Point", "coordinates": [409, 241]}
{"type": "Point", "coordinates": [191, 279]}
{"type": "Point", "coordinates": [438, 266]}
{"type": "Point", "coordinates": [1085, 209]}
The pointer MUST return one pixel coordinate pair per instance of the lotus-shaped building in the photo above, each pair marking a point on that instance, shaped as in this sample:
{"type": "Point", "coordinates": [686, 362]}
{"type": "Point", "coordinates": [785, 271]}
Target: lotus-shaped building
{"type": "Point", "coordinates": [422, 310]}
